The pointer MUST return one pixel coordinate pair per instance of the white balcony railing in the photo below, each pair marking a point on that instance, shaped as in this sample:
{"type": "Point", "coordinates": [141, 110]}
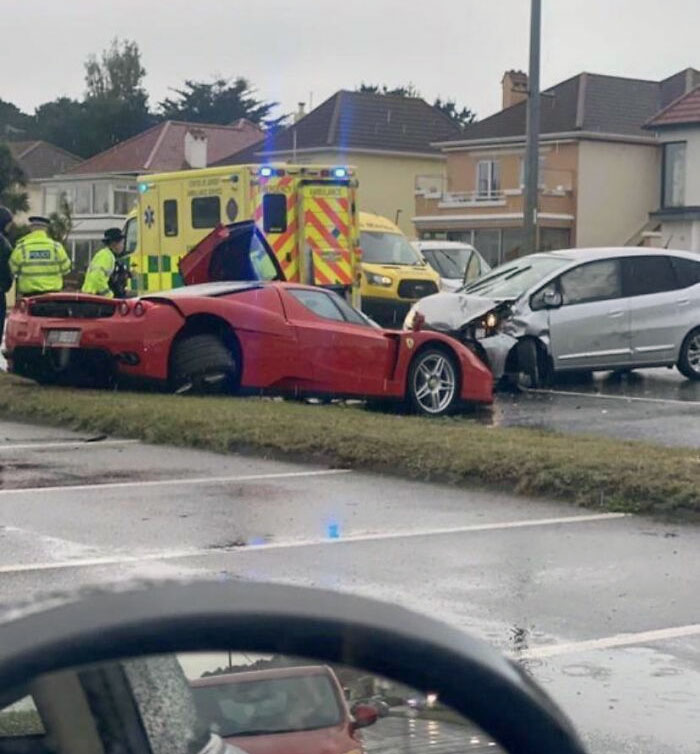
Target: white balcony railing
{"type": "Point", "coordinates": [472, 198]}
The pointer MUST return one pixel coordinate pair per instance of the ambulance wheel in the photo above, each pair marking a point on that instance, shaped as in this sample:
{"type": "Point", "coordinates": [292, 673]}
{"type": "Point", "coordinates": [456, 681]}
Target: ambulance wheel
{"type": "Point", "coordinates": [204, 364]}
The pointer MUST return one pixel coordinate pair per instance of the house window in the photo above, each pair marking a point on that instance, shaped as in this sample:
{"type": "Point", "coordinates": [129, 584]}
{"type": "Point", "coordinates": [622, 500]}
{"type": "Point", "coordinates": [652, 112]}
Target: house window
{"type": "Point", "coordinates": [83, 199]}
{"type": "Point", "coordinates": [673, 174]}
{"type": "Point", "coordinates": [540, 173]}
{"type": "Point", "coordinates": [124, 199]}
{"type": "Point", "coordinates": [488, 179]}
{"type": "Point", "coordinates": [100, 199]}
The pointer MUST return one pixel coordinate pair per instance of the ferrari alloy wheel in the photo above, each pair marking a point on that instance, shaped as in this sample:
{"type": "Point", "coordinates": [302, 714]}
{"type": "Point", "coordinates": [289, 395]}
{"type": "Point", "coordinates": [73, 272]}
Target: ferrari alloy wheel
{"type": "Point", "coordinates": [689, 359]}
{"type": "Point", "coordinates": [203, 364]}
{"type": "Point", "coordinates": [432, 383]}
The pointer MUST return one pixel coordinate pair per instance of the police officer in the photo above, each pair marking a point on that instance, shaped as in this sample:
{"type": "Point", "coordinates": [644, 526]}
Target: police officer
{"type": "Point", "coordinates": [103, 264]}
{"type": "Point", "coordinates": [5, 252]}
{"type": "Point", "coordinates": [38, 262]}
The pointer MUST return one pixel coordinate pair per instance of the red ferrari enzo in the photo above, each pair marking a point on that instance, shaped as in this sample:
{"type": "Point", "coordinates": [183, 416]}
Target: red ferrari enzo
{"type": "Point", "coordinates": [247, 336]}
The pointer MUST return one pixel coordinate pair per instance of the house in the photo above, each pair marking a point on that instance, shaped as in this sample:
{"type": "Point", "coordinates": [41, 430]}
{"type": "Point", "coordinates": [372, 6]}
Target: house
{"type": "Point", "coordinates": [39, 159]}
{"type": "Point", "coordinates": [598, 175]}
{"type": "Point", "coordinates": [677, 215]}
{"type": "Point", "coordinates": [102, 190]}
{"type": "Point", "coordinates": [387, 138]}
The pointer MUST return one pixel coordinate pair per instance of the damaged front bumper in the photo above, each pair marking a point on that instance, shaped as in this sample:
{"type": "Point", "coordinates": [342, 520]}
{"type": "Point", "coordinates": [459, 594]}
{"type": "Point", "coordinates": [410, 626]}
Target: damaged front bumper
{"type": "Point", "coordinates": [497, 348]}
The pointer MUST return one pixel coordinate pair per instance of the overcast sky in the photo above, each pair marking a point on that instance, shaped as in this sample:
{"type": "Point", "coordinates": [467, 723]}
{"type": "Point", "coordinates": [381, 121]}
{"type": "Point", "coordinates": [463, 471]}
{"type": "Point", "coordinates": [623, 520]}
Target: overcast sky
{"type": "Point", "coordinates": [296, 49]}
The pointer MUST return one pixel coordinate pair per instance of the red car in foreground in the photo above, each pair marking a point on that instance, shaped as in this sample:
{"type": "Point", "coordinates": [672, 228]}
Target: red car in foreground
{"type": "Point", "coordinates": [297, 710]}
{"type": "Point", "coordinates": [247, 336]}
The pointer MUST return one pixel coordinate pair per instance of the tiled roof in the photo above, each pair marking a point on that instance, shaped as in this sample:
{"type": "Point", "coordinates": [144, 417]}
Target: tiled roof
{"type": "Point", "coordinates": [40, 159]}
{"type": "Point", "coordinates": [364, 121]}
{"type": "Point", "coordinates": [162, 147]}
{"type": "Point", "coordinates": [684, 110]}
{"type": "Point", "coordinates": [589, 102]}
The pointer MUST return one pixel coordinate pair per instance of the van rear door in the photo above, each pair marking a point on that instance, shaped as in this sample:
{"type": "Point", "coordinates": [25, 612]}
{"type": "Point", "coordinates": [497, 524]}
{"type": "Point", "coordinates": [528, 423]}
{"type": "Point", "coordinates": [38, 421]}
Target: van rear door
{"type": "Point", "coordinates": [326, 234]}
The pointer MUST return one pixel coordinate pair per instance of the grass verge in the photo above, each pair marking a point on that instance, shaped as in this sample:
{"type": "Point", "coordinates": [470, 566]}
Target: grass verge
{"type": "Point", "coordinates": [596, 472]}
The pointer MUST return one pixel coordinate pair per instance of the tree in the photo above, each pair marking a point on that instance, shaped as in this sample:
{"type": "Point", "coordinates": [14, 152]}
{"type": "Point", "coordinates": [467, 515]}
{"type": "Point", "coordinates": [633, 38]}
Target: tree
{"type": "Point", "coordinates": [14, 124]}
{"type": "Point", "coordinates": [219, 101]}
{"type": "Point", "coordinates": [12, 182]}
{"type": "Point", "coordinates": [118, 74]}
{"type": "Point", "coordinates": [462, 117]}
{"type": "Point", "coordinates": [61, 222]}
{"type": "Point", "coordinates": [115, 105]}
{"type": "Point", "coordinates": [398, 91]}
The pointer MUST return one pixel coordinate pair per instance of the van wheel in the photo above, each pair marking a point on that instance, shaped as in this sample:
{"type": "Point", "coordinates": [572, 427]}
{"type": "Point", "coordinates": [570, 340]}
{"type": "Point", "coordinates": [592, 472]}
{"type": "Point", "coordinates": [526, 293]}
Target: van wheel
{"type": "Point", "coordinates": [204, 364]}
{"type": "Point", "coordinates": [689, 358]}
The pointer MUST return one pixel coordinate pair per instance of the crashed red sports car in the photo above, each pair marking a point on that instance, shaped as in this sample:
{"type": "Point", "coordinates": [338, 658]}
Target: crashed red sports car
{"type": "Point", "coordinates": [246, 336]}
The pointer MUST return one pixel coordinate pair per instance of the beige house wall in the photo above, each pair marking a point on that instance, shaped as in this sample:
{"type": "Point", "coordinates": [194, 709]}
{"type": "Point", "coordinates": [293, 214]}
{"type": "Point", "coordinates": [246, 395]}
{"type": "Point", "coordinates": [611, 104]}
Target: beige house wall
{"type": "Point", "coordinates": [618, 185]}
{"type": "Point", "coordinates": [387, 183]}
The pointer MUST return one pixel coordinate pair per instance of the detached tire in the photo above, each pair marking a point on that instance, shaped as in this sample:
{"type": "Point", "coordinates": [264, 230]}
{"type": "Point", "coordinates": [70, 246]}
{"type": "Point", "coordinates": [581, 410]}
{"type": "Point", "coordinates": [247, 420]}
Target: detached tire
{"type": "Point", "coordinates": [204, 364]}
{"type": "Point", "coordinates": [433, 382]}
{"type": "Point", "coordinates": [689, 358]}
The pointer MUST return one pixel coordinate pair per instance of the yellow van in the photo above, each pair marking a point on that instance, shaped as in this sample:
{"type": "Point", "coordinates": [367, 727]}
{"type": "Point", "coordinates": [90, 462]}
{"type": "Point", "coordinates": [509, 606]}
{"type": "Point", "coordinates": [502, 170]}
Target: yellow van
{"type": "Point", "coordinates": [394, 274]}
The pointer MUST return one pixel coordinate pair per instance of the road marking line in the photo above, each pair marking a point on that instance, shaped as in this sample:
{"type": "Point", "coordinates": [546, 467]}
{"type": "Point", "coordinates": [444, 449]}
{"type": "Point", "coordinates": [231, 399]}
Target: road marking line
{"type": "Point", "coordinates": [469, 528]}
{"type": "Point", "coordinates": [631, 398]}
{"type": "Point", "coordinates": [67, 444]}
{"type": "Point", "coordinates": [610, 642]}
{"type": "Point", "coordinates": [171, 482]}
{"type": "Point", "coordinates": [292, 544]}
{"type": "Point", "coordinates": [107, 560]}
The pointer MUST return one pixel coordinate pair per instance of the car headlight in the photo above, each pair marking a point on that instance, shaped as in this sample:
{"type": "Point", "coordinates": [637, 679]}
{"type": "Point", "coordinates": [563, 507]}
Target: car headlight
{"type": "Point", "coordinates": [491, 321]}
{"type": "Point", "coordinates": [383, 280]}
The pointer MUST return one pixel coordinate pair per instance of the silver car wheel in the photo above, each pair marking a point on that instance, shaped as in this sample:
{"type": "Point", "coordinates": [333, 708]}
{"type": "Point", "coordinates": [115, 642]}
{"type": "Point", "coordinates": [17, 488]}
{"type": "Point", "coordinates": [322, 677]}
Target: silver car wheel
{"type": "Point", "coordinates": [434, 383]}
{"type": "Point", "coordinates": [694, 353]}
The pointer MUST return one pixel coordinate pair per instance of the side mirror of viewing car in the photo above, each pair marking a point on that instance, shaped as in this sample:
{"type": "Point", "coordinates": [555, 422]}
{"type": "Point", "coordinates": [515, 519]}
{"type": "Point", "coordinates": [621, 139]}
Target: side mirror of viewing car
{"type": "Point", "coordinates": [365, 715]}
{"type": "Point", "coordinates": [547, 298]}
{"type": "Point", "coordinates": [236, 667]}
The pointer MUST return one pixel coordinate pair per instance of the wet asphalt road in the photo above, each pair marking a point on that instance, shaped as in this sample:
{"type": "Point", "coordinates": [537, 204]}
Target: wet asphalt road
{"type": "Point", "coordinates": [601, 608]}
{"type": "Point", "coordinates": [653, 405]}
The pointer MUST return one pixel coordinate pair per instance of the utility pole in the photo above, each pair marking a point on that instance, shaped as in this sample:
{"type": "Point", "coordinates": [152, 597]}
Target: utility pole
{"type": "Point", "coordinates": [532, 134]}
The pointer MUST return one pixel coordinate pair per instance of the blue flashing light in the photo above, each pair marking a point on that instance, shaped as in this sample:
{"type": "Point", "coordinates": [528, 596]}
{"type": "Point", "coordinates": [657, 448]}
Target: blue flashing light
{"type": "Point", "coordinates": [265, 172]}
{"type": "Point", "coordinates": [340, 173]}
{"type": "Point", "coordinates": [143, 187]}
{"type": "Point", "coordinates": [333, 530]}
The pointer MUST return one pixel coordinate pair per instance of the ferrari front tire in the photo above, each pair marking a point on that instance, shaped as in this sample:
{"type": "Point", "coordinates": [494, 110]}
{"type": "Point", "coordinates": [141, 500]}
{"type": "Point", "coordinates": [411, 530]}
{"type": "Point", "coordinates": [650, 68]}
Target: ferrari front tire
{"type": "Point", "coordinates": [433, 382]}
{"type": "Point", "coordinates": [203, 364]}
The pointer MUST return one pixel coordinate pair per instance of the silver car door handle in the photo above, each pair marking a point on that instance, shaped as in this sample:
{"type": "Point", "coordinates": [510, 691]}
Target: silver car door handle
{"type": "Point", "coordinates": [616, 313]}
{"type": "Point", "coordinates": [683, 301]}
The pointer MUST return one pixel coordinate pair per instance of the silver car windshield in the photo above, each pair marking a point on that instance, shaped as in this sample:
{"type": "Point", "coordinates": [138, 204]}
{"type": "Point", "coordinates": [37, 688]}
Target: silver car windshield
{"type": "Point", "coordinates": [511, 280]}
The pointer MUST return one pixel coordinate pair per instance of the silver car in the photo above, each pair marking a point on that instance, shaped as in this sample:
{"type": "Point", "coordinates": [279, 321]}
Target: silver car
{"type": "Point", "coordinates": [576, 310]}
{"type": "Point", "coordinates": [456, 262]}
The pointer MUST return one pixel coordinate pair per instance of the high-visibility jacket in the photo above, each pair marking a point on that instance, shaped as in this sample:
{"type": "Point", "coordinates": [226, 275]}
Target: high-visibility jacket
{"type": "Point", "coordinates": [39, 264]}
{"type": "Point", "coordinates": [99, 272]}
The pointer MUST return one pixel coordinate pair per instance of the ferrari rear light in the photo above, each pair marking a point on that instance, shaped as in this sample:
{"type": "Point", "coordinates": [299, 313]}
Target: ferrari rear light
{"type": "Point", "coordinates": [139, 309]}
{"type": "Point", "coordinates": [124, 308]}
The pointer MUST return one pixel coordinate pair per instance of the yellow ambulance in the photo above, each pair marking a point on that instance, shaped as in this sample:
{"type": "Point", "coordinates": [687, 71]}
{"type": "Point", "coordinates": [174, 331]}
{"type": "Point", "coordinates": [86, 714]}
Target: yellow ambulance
{"type": "Point", "coordinates": [308, 214]}
{"type": "Point", "coordinates": [394, 274]}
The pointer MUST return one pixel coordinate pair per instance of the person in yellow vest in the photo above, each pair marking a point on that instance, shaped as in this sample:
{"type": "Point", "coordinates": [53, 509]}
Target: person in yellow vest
{"type": "Point", "coordinates": [103, 264]}
{"type": "Point", "coordinates": [38, 262]}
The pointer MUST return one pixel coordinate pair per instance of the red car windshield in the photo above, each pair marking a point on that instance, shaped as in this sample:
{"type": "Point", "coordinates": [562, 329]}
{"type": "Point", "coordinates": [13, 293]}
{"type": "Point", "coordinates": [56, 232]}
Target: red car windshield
{"type": "Point", "coordinates": [274, 705]}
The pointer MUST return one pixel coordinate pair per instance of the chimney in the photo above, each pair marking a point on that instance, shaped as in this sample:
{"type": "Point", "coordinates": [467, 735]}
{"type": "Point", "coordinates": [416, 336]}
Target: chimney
{"type": "Point", "coordinates": [514, 85]}
{"type": "Point", "coordinates": [196, 148]}
{"type": "Point", "coordinates": [299, 113]}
